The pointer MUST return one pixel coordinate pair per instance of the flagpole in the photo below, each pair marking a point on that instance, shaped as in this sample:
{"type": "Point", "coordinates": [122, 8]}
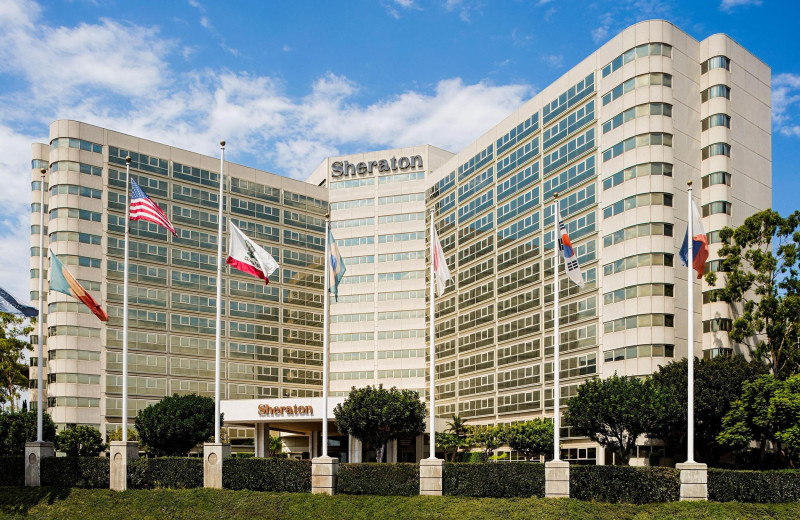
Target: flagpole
{"type": "Point", "coordinates": [218, 338]}
{"type": "Point", "coordinates": [39, 376]}
{"type": "Point", "coordinates": [326, 336]}
{"type": "Point", "coordinates": [690, 329]}
{"type": "Point", "coordinates": [556, 353]}
{"type": "Point", "coordinates": [432, 370]}
{"type": "Point", "coordinates": [125, 301]}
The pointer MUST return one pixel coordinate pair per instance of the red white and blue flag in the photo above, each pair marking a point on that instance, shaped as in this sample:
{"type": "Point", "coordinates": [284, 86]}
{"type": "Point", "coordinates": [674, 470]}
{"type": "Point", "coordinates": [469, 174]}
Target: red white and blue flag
{"type": "Point", "coordinates": [699, 244]}
{"type": "Point", "coordinates": [143, 208]}
{"type": "Point", "coordinates": [571, 265]}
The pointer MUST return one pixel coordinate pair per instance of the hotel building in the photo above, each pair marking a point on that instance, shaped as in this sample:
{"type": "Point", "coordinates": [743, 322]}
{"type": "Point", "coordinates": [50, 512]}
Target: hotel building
{"type": "Point", "coordinates": [617, 137]}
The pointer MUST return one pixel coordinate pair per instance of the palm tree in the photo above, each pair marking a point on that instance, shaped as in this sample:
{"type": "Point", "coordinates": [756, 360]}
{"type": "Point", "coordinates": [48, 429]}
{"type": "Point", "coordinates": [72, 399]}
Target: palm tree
{"type": "Point", "coordinates": [457, 426]}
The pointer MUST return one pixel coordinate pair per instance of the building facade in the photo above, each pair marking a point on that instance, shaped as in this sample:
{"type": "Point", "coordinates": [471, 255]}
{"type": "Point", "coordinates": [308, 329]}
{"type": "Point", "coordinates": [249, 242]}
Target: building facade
{"type": "Point", "coordinates": [272, 334]}
{"type": "Point", "coordinates": [617, 138]}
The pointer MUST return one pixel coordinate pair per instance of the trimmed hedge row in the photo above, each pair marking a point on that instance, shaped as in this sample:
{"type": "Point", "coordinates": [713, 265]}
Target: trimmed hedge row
{"type": "Point", "coordinates": [386, 479]}
{"type": "Point", "coordinates": [13, 473]}
{"type": "Point", "coordinates": [81, 472]}
{"type": "Point", "coordinates": [493, 479]}
{"type": "Point", "coordinates": [166, 472]}
{"type": "Point", "coordinates": [635, 485]}
{"type": "Point", "coordinates": [753, 486]}
{"type": "Point", "coordinates": [257, 474]}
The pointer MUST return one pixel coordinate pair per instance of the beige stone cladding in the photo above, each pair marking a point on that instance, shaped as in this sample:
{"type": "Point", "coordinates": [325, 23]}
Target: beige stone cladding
{"type": "Point", "coordinates": [272, 334]}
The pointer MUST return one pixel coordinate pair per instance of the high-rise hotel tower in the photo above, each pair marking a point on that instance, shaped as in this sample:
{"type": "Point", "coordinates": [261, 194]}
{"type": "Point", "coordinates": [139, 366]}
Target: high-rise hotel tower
{"type": "Point", "coordinates": [617, 137]}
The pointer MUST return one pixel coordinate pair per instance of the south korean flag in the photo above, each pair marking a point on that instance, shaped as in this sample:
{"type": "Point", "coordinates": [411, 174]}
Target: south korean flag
{"type": "Point", "coordinates": [570, 257]}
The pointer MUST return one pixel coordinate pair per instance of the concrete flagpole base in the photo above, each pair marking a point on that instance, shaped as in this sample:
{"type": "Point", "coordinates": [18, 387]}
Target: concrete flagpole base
{"type": "Point", "coordinates": [431, 472]}
{"type": "Point", "coordinates": [323, 475]}
{"type": "Point", "coordinates": [121, 454]}
{"type": "Point", "coordinates": [556, 479]}
{"type": "Point", "coordinates": [694, 481]}
{"type": "Point", "coordinates": [214, 453]}
{"type": "Point", "coordinates": [34, 453]}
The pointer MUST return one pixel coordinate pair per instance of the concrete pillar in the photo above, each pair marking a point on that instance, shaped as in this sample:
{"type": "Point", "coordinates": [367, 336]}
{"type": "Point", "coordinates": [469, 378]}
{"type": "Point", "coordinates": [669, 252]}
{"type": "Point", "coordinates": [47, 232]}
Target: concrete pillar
{"type": "Point", "coordinates": [214, 454]}
{"type": "Point", "coordinates": [355, 449]}
{"type": "Point", "coordinates": [431, 472]}
{"type": "Point", "coordinates": [323, 475]}
{"type": "Point", "coordinates": [258, 441]}
{"type": "Point", "coordinates": [311, 436]}
{"type": "Point", "coordinates": [601, 455]}
{"type": "Point", "coordinates": [420, 440]}
{"type": "Point", "coordinates": [556, 479]}
{"type": "Point", "coordinates": [34, 453]}
{"type": "Point", "coordinates": [121, 454]}
{"type": "Point", "coordinates": [391, 451]}
{"type": "Point", "coordinates": [694, 481]}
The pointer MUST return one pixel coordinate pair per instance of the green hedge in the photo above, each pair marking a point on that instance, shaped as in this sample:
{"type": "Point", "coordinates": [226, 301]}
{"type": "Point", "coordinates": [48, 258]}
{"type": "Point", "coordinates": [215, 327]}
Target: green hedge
{"type": "Point", "coordinates": [82, 472]}
{"type": "Point", "coordinates": [13, 473]}
{"type": "Point", "coordinates": [753, 486]}
{"type": "Point", "coordinates": [166, 472]}
{"type": "Point", "coordinates": [469, 456]}
{"type": "Point", "coordinates": [494, 479]}
{"type": "Point", "coordinates": [635, 485]}
{"type": "Point", "coordinates": [386, 479]}
{"type": "Point", "coordinates": [257, 474]}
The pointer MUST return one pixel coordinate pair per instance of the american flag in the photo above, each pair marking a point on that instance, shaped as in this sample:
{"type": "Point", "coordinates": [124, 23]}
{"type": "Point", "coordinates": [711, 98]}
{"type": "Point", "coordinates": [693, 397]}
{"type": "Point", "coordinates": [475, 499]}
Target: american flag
{"type": "Point", "coordinates": [143, 208]}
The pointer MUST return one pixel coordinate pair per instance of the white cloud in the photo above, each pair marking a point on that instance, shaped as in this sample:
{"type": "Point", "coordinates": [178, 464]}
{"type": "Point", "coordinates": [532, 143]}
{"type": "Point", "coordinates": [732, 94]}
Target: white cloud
{"type": "Point", "coordinates": [786, 103]}
{"type": "Point", "coordinates": [600, 34]}
{"type": "Point", "coordinates": [729, 5]}
{"type": "Point", "coordinates": [555, 61]}
{"type": "Point", "coordinates": [193, 109]}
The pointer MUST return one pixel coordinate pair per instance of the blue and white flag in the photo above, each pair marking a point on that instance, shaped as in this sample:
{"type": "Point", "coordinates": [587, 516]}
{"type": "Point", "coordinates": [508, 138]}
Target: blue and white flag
{"type": "Point", "coordinates": [11, 305]}
{"type": "Point", "coordinates": [335, 265]}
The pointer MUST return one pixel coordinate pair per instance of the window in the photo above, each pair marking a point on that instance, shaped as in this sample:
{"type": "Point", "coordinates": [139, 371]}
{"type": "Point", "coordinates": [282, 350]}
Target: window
{"type": "Point", "coordinates": [643, 80]}
{"type": "Point", "coordinates": [639, 351]}
{"type": "Point", "coordinates": [638, 230]}
{"type": "Point", "coordinates": [717, 62]}
{"type": "Point", "coordinates": [639, 320]}
{"type": "Point", "coordinates": [715, 91]}
{"type": "Point", "coordinates": [648, 49]}
{"type": "Point", "coordinates": [715, 178]}
{"type": "Point", "coordinates": [638, 201]}
{"type": "Point", "coordinates": [66, 142]}
{"type": "Point", "coordinates": [716, 120]}
{"type": "Point", "coordinates": [716, 149]}
{"type": "Point", "coordinates": [642, 260]}
{"type": "Point", "coordinates": [718, 325]}
{"type": "Point", "coordinates": [714, 208]}
{"type": "Point", "coordinates": [647, 109]}
{"type": "Point", "coordinates": [651, 139]}
{"type": "Point", "coordinates": [640, 170]}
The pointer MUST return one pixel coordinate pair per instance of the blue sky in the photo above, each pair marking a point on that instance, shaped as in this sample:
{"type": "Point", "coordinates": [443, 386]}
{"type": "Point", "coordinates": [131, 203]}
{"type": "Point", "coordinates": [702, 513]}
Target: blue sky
{"type": "Point", "coordinates": [288, 83]}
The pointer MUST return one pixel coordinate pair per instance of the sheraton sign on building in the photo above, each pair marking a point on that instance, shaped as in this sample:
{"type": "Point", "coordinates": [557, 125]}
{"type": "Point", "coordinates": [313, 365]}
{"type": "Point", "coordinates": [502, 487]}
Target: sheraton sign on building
{"type": "Point", "coordinates": [348, 169]}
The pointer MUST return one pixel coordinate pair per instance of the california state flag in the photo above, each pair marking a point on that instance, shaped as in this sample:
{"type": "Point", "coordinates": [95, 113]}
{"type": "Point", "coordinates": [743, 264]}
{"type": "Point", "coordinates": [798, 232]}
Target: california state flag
{"type": "Point", "coordinates": [248, 257]}
{"type": "Point", "coordinates": [441, 272]}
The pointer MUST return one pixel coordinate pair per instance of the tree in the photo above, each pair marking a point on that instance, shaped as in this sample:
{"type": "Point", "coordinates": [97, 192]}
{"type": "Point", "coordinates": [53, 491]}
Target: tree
{"type": "Point", "coordinates": [487, 438]}
{"type": "Point", "coordinates": [17, 428]}
{"type": "Point", "coordinates": [80, 441]}
{"type": "Point", "coordinates": [768, 411]}
{"type": "Point", "coordinates": [449, 443]}
{"type": "Point", "coordinates": [531, 438]}
{"type": "Point", "coordinates": [13, 372]}
{"type": "Point", "coordinates": [275, 446]}
{"type": "Point", "coordinates": [762, 287]}
{"type": "Point", "coordinates": [717, 383]}
{"type": "Point", "coordinates": [612, 412]}
{"type": "Point", "coordinates": [116, 435]}
{"type": "Point", "coordinates": [176, 424]}
{"type": "Point", "coordinates": [375, 416]}
{"type": "Point", "coordinates": [457, 426]}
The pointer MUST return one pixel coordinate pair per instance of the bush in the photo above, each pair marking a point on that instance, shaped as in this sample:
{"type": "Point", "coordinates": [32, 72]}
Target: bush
{"type": "Point", "coordinates": [470, 456]}
{"type": "Point", "coordinates": [493, 479]}
{"type": "Point", "coordinates": [166, 472]}
{"type": "Point", "coordinates": [80, 441]}
{"type": "Point", "coordinates": [753, 486]}
{"type": "Point", "coordinates": [82, 472]}
{"type": "Point", "coordinates": [176, 424]}
{"type": "Point", "coordinates": [13, 473]}
{"type": "Point", "coordinates": [624, 484]}
{"type": "Point", "coordinates": [17, 428]}
{"type": "Point", "coordinates": [385, 479]}
{"type": "Point", "coordinates": [258, 474]}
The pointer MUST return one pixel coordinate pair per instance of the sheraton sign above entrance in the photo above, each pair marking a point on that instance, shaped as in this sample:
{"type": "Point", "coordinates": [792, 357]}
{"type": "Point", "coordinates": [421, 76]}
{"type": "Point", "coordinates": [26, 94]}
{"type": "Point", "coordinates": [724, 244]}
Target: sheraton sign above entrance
{"type": "Point", "coordinates": [347, 169]}
{"type": "Point", "coordinates": [264, 409]}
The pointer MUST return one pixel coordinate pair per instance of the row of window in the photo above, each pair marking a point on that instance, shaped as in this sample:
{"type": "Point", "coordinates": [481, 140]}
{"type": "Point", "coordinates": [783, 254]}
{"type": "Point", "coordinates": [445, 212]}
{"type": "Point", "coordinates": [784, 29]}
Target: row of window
{"type": "Point", "coordinates": [649, 139]}
{"type": "Point", "coordinates": [638, 201]}
{"type": "Point", "coordinates": [643, 80]}
{"type": "Point", "coordinates": [639, 170]}
{"type": "Point", "coordinates": [641, 51]}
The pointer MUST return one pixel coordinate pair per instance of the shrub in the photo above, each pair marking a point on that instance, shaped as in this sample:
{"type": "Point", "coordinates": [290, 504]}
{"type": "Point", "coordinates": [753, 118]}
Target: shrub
{"type": "Point", "coordinates": [753, 486]}
{"type": "Point", "coordinates": [13, 473]}
{"type": "Point", "coordinates": [17, 428]}
{"type": "Point", "coordinates": [378, 479]}
{"type": "Point", "coordinates": [80, 441]}
{"type": "Point", "coordinates": [624, 484]}
{"type": "Point", "coordinates": [258, 474]}
{"type": "Point", "coordinates": [176, 424]}
{"type": "Point", "coordinates": [470, 456]}
{"type": "Point", "coordinates": [82, 472]}
{"type": "Point", "coordinates": [492, 479]}
{"type": "Point", "coordinates": [166, 472]}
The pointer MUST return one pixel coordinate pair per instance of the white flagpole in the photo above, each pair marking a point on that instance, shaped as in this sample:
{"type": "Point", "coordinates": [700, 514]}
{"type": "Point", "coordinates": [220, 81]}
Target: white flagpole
{"type": "Point", "coordinates": [125, 301]}
{"type": "Point", "coordinates": [39, 377]}
{"type": "Point", "coordinates": [432, 365]}
{"type": "Point", "coordinates": [556, 353]}
{"type": "Point", "coordinates": [218, 338]}
{"type": "Point", "coordinates": [690, 329]}
{"type": "Point", "coordinates": [325, 338]}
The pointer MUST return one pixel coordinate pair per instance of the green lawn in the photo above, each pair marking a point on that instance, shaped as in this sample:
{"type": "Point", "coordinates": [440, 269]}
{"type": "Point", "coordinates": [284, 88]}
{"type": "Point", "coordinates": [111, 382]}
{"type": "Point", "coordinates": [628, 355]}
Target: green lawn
{"type": "Point", "coordinates": [64, 503]}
